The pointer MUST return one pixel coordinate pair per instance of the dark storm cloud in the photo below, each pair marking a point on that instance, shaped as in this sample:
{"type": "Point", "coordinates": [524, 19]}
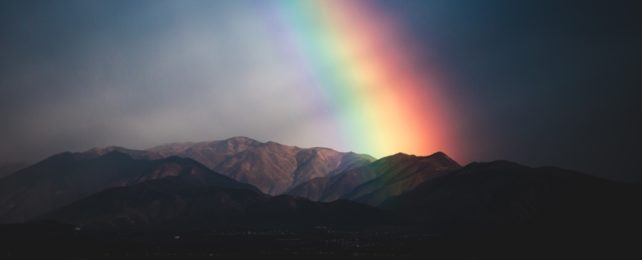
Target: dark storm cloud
{"type": "Point", "coordinates": [539, 82]}
{"type": "Point", "coordinates": [547, 82]}
{"type": "Point", "coordinates": [78, 74]}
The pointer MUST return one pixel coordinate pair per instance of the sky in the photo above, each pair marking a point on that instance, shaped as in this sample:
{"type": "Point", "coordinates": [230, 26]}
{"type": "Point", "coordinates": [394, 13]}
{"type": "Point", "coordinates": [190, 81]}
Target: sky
{"type": "Point", "coordinates": [536, 82]}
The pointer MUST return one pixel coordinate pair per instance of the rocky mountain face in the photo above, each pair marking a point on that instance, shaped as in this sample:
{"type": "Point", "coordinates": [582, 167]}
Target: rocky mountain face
{"type": "Point", "coordinates": [379, 180]}
{"type": "Point", "coordinates": [273, 168]}
{"type": "Point", "coordinates": [68, 177]}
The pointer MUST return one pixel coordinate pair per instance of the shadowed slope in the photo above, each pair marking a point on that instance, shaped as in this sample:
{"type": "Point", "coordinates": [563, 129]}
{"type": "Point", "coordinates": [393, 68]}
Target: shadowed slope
{"type": "Point", "coordinates": [7, 169]}
{"type": "Point", "coordinates": [67, 177]}
{"type": "Point", "coordinates": [178, 203]}
{"type": "Point", "coordinates": [373, 183]}
{"type": "Point", "coordinates": [403, 173]}
{"type": "Point", "coordinates": [484, 198]}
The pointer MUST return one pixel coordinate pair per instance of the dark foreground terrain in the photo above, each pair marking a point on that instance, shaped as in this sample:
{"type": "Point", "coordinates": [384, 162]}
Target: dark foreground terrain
{"type": "Point", "coordinates": [68, 242]}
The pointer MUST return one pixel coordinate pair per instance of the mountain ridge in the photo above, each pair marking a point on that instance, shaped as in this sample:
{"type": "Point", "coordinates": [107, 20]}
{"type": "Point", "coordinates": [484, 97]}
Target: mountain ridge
{"type": "Point", "coordinates": [174, 204]}
{"type": "Point", "coordinates": [272, 167]}
{"type": "Point", "coordinates": [365, 184]}
{"type": "Point", "coordinates": [66, 177]}
{"type": "Point", "coordinates": [398, 200]}
{"type": "Point", "coordinates": [503, 196]}
{"type": "Point", "coordinates": [8, 168]}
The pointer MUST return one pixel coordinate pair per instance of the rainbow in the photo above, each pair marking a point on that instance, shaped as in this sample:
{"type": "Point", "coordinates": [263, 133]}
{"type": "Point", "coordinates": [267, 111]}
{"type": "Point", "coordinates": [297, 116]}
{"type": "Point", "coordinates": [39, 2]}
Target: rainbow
{"type": "Point", "coordinates": [384, 99]}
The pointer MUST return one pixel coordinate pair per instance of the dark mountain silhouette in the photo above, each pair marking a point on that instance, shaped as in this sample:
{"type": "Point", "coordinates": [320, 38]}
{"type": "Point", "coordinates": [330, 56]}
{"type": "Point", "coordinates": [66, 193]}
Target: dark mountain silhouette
{"type": "Point", "coordinates": [68, 177]}
{"type": "Point", "coordinates": [272, 167]}
{"type": "Point", "coordinates": [7, 169]}
{"type": "Point", "coordinates": [178, 203]}
{"type": "Point", "coordinates": [375, 182]}
{"type": "Point", "coordinates": [548, 203]}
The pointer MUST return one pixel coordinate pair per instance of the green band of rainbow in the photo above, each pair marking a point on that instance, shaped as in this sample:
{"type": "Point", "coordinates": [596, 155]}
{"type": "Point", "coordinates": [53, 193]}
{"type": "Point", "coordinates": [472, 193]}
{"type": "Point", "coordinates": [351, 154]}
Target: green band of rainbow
{"type": "Point", "coordinates": [381, 96]}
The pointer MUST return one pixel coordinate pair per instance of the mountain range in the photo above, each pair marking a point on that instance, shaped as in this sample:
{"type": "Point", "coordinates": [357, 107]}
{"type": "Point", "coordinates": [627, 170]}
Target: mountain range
{"type": "Point", "coordinates": [272, 167]}
{"type": "Point", "coordinates": [374, 182]}
{"type": "Point", "coordinates": [243, 184]}
{"type": "Point", "coordinates": [181, 203]}
{"type": "Point", "coordinates": [67, 177]}
{"type": "Point", "coordinates": [502, 196]}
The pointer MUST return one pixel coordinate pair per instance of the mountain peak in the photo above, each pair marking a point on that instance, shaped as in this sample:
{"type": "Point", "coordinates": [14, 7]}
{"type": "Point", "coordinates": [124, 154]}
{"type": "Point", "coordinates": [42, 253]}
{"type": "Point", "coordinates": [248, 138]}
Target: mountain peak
{"type": "Point", "coordinates": [135, 154]}
{"type": "Point", "coordinates": [443, 158]}
{"type": "Point", "coordinates": [437, 156]}
{"type": "Point", "coordinates": [239, 139]}
{"type": "Point", "coordinates": [398, 156]}
{"type": "Point", "coordinates": [272, 167]}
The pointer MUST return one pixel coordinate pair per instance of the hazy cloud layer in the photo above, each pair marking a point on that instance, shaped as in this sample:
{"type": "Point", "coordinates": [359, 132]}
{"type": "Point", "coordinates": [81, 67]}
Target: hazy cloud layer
{"type": "Point", "coordinates": [539, 82]}
{"type": "Point", "coordinates": [147, 73]}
